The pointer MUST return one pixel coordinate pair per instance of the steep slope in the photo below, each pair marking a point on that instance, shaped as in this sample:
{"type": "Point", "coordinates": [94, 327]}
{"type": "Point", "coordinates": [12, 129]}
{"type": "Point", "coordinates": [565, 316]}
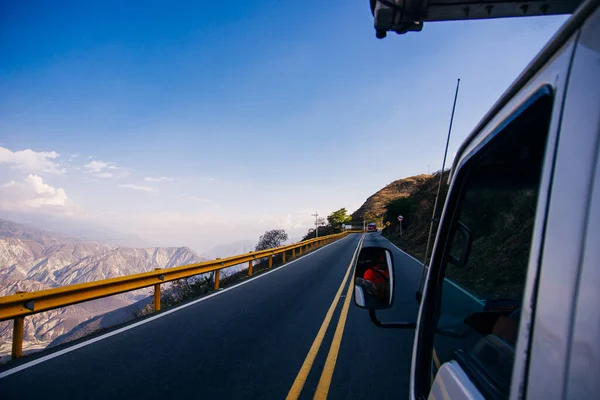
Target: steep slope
{"type": "Point", "coordinates": [411, 197]}
{"type": "Point", "coordinates": [32, 260]}
{"type": "Point", "coordinates": [375, 206]}
{"type": "Point", "coordinates": [121, 261]}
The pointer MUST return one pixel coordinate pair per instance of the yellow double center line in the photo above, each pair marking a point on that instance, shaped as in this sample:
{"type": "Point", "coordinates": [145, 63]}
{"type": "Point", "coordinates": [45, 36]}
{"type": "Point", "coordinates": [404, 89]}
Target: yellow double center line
{"type": "Point", "coordinates": [326, 375]}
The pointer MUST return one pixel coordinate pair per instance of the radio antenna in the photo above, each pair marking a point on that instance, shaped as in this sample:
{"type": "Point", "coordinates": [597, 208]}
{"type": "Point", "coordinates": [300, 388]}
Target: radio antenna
{"type": "Point", "coordinates": [437, 196]}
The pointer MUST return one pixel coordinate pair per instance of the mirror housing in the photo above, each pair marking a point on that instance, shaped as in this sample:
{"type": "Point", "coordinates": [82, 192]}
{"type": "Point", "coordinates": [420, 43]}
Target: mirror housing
{"type": "Point", "coordinates": [461, 245]}
{"type": "Point", "coordinates": [374, 279]}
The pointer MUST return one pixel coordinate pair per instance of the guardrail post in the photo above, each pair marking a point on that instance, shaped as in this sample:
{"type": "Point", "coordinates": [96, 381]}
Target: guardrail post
{"type": "Point", "coordinates": [250, 268]}
{"type": "Point", "coordinates": [17, 339]}
{"type": "Point", "coordinates": [217, 279]}
{"type": "Point", "coordinates": [283, 255]}
{"type": "Point", "coordinates": [157, 294]}
{"type": "Point", "coordinates": [300, 250]}
{"type": "Point", "coordinates": [271, 261]}
{"type": "Point", "coordinates": [293, 253]}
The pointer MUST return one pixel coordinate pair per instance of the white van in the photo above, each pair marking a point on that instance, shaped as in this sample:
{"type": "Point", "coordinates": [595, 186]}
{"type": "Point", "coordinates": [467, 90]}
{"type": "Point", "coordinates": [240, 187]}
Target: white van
{"type": "Point", "coordinates": [510, 307]}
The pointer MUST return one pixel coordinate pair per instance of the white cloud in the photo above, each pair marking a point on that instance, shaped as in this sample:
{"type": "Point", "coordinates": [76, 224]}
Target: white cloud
{"type": "Point", "coordinates": [140, 188]}
{"type": "Point", "coordinates": [31, 161]}
{"type": "Point", "coordinates": [34, 195]}
{"type": "Point", "coordinates": [104, 170]}
{"type": "Point", "coordinates": [95, 166]}
{"type": "Point", "coordinates": [159, 179]}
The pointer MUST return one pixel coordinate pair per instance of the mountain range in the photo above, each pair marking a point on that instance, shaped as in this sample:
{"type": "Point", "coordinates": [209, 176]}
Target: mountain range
{"type": "Point", "coordinates": [231, 249]}
{"type": "Point", "coordinates": [32, 259]}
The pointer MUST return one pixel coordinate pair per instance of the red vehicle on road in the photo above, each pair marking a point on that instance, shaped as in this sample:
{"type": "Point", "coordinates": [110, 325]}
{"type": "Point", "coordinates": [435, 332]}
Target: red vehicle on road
{"type": "Point", "coordinates": [372, 227]}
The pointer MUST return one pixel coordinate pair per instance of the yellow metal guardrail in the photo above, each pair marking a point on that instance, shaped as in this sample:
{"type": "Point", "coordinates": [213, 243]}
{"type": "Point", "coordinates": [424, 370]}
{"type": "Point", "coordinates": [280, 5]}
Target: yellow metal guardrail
{"type": "Point", "coordinates": [22, 304]}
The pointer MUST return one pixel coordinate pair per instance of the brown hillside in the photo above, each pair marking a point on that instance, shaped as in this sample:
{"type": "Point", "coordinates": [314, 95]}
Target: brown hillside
{"type": "Point", "coordinates": [375, 206]}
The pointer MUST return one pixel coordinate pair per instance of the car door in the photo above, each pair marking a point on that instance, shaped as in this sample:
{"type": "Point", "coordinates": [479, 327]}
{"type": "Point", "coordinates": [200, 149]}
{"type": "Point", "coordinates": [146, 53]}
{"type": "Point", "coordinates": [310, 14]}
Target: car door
{"type": "Point", "coordinates": [564, 342]}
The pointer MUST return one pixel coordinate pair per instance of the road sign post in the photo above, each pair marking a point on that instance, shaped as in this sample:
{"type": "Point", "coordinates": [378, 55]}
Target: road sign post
{"type": "Point", "coordinates": [400, 219]}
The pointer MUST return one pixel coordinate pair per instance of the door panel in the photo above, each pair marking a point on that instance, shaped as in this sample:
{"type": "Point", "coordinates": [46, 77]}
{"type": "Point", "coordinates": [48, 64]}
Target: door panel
{"type": "Point", "coordinates": [452, 383]}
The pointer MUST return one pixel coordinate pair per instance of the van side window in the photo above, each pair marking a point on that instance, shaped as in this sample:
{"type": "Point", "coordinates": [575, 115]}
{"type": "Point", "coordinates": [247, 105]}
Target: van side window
{"type": "Point", "coordinates": [487, 252]}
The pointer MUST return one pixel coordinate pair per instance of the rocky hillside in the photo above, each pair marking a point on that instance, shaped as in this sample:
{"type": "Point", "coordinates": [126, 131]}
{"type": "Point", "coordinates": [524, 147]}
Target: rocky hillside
{"type": "Point", "coordinates": [32, 259]}
{"type": "Point", "coordinates": [375, 206]}
{"type": "Point", "coordinates": [411, 197]}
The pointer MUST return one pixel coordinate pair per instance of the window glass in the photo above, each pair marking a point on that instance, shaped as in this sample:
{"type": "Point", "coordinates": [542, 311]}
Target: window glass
{"type": "Point", "coordinates": [487, 254]}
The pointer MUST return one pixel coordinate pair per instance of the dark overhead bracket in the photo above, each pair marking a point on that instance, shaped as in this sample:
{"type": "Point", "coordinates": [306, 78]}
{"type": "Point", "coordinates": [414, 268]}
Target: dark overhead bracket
{"type": "Point", "coordinates": [30, 305]}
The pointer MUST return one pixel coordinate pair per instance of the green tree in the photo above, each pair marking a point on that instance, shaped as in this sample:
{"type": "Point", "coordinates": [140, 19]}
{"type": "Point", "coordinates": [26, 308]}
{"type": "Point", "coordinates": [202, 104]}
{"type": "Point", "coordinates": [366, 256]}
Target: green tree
{"type": "Point", "coordinates": [337, 218]}
{"type": "Point", "coordinates": [369, 217]}
{"type": "Point", "coordinates": [405, 206]}
{"type": "Point", "coordinates": [323, 231]}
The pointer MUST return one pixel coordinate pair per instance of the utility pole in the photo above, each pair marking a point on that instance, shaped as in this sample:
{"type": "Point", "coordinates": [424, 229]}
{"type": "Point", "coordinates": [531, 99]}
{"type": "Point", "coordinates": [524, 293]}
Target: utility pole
{"type": "Point", "coordinates": [316, 215]}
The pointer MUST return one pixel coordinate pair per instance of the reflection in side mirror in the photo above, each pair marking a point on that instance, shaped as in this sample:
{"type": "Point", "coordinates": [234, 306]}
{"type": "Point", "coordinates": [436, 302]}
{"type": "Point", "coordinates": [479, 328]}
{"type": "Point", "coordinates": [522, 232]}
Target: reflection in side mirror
{"type": "Point", "coordinates": [461, 245]}
{"type": "Point", "coordinates": [374, 279]}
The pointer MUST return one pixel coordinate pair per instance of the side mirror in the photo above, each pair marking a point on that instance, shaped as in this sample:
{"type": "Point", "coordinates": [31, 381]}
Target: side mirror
{"type": "Point", "coordinates": [461, 245]}
{"type": "Point", "coordinates": [374, 279]}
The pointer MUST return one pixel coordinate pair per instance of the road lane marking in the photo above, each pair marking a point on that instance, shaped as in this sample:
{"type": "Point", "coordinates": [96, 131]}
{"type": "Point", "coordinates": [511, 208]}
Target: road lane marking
{"type": "Point", "coordinates": [145, 321]}
{"type": "Point", "coordinates": [300, 380]}
{"type": "Point", "coordinates": [327, 374]}
{"type": "Point", "coordinates": [403, 252]}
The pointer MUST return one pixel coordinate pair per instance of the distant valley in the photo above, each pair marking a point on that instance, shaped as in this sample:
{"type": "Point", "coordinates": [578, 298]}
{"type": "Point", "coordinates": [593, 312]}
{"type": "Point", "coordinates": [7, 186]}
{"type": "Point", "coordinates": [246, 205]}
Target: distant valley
{"type": "Point", "coordinates": [231, 249]}
{"type": "Point", "coordinates": [32, 259]}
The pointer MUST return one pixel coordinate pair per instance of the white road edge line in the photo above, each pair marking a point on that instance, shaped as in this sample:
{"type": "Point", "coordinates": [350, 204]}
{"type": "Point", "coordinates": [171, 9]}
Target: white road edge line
{"type": "Point", "coordinates": [402, 251]}
{"type": "Point", "coordinates": [162, 314]}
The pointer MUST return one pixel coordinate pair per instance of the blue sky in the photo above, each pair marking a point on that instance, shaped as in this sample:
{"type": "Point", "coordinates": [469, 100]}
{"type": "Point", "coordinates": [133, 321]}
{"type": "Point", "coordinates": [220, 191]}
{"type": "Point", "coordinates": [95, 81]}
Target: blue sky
{"type": "Point", "coordinates": [256, 114]}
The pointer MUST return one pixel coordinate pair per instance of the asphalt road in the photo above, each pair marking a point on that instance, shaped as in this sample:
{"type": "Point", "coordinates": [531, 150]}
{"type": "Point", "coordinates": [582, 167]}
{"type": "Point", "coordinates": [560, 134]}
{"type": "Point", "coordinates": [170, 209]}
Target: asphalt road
{"type": "Point", "coordinates": [247, 342]}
